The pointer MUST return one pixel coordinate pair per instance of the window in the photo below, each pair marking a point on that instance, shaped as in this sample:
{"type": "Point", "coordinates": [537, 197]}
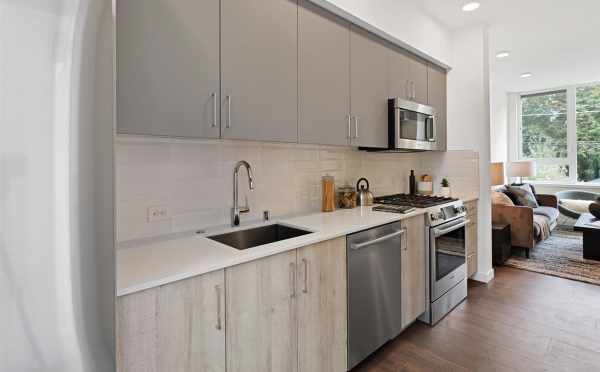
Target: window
{"type": "Point", "coordinates": [544, 133]}
{"type": "Point", "coordinates": [560, 130]}
{"type": "Point", "coordinates": [588, 133]}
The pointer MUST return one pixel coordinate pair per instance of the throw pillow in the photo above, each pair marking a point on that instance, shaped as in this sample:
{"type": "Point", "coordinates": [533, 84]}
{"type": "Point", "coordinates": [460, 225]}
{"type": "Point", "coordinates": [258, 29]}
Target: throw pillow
{"type": "Point", "coordinates": [499, 198]}
{"type": "Point", "coordinates": [523, 195]}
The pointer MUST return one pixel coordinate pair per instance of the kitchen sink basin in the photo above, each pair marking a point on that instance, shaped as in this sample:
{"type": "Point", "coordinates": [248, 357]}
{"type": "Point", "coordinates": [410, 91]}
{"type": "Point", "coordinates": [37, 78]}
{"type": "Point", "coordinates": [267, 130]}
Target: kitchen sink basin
{"type": "Point", "coordinates": [244, 239]}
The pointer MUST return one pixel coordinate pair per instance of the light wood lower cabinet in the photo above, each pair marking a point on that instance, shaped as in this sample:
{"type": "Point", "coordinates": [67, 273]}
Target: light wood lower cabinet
{"type": "Point", "coordinates": [288, 312]}
{"type": "Point", "coordinates": [414, 273]}
{"type": "Point", "coordinates": [322, 325]}
{"type": "Point", "coordinates": [175, 327]}
{"type": "Point", "coordinates": [261, 315]}
{"type": "Point", "coordinates": [471, 232]}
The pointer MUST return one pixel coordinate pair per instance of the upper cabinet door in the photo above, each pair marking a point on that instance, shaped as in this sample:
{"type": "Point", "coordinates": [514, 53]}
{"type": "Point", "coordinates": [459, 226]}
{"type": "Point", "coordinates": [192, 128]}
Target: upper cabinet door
{"type": "Point", "coordinates": [168, 67]}
{"type": "Point", "coordinates": [399, 78]}
{"type": "Point", "coordinates": [437, 99]}
{"type": "Point", "coordinates": [259, 70]}
{"type": "Point", "coordinates": [324, 76]}
{"type": "Point", "coordinates": [369, 89]}
{"type": "Point", "coordinates": [417, 70]}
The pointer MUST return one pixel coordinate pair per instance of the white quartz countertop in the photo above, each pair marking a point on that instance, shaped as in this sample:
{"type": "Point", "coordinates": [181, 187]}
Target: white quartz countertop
{"type": "Point", "coordinates": [147, 263]}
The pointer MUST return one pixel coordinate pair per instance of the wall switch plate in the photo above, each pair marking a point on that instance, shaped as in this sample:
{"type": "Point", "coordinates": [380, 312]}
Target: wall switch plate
{"type": "Point", "coordinates": [159, 213]}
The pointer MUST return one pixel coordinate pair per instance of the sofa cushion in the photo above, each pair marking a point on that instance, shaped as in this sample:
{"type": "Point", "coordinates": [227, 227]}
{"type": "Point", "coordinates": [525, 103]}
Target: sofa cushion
{"type": "Point", "coordinates": [523, 195]}
{"type": "Point", "coordinates": [499, 198]}
{"type": "Point", "coordinates": [548, 212]}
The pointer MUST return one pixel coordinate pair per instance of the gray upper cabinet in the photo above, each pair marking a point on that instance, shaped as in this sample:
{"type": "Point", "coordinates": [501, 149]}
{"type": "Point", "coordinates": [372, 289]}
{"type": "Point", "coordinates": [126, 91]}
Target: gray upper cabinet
{"type": "Point", "coordinates": [168, 67]}
{"type": "Point", "coordinates": [399, 81]}
{"type": "Point", "coordinates": [417, 72]}
{"type": "Point", "coordinates": [259, 70]}
{"type": "Point", "coordinates": [437, 99]}
{"type": "Point", "coordinates": [369, 89]}
{"type": "Point", "coordinates": [324, 76]}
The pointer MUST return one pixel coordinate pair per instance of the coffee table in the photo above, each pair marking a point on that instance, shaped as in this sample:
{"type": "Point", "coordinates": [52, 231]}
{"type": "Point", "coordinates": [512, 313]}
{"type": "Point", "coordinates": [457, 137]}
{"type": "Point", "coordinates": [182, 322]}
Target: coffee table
{"type": "Point", "coordinates": [591, 236]}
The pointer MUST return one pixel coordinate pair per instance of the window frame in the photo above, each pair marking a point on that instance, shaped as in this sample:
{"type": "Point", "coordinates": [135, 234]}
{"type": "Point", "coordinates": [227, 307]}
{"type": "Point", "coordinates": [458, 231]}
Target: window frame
{"type": "Point", "coordinates": [571, 159]}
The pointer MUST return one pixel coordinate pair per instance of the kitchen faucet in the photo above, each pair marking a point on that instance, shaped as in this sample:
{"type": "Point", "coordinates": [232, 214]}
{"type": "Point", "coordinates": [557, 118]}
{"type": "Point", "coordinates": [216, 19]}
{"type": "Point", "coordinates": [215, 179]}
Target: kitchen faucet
{"type": "Point", "coordinates": [236, 210]}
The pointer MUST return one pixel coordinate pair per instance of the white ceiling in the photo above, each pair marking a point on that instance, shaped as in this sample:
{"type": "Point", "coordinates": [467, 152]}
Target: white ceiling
{"type": "Point", "coordinates": [558, 41]}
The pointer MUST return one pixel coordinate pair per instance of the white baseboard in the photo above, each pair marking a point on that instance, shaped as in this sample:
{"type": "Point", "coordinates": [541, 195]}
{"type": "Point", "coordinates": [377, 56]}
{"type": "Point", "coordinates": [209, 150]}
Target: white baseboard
{"type": "Point", "coordinates": [484, 277]}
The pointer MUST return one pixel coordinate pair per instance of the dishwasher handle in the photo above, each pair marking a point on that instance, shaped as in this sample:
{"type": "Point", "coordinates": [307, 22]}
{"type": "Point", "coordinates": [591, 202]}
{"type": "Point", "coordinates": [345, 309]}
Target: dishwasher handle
{"type": "Point", "coordinates": [378, 240]}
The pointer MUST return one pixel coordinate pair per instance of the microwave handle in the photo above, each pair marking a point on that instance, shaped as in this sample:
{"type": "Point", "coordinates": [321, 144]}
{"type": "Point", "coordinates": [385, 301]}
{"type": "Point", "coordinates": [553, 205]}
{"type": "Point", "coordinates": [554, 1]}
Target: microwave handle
{"type": "Point", "coordinates": [431, 134]}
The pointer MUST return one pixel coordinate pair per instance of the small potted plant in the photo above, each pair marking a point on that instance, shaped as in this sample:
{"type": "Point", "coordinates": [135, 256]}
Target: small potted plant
{"type": "Point", "coordinates": [445, 190]}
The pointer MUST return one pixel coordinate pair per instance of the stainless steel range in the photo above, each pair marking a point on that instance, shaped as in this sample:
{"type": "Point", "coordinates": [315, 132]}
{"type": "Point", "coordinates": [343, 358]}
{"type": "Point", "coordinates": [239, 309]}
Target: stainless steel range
{"type": "Point", "coordinates": [447, 259]}
{"type": "Point", "coordinates": [446, 223]}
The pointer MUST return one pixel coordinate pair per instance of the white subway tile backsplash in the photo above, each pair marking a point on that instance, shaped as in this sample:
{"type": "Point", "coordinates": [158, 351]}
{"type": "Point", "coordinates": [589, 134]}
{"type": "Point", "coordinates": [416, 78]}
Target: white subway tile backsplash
{"type": "Point", "coordinates": [194, 179]}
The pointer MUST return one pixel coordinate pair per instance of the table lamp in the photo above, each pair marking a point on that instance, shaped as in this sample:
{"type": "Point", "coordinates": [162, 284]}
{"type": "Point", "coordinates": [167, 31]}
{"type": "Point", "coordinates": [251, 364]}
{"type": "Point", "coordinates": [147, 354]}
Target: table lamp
{"type": "Point", "coordinates": [497, 174]}
{"type": "Point", "coordinates": [520, 169]}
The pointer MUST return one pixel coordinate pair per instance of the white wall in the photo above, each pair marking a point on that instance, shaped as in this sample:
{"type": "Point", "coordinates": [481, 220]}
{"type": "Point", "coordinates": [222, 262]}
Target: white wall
{"type": "Point", "coordinates": [469, 124]}
{"type": "Point", "coordinates": [405, 21]}
{"type": "Point", "coordinates": [498, 123]}
{"type": "Point", "coordinates": [55, 189]}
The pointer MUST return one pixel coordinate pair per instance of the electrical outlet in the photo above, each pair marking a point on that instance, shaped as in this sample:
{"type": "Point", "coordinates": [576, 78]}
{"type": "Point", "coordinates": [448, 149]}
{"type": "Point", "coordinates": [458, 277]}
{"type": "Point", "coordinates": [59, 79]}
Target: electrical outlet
{"type": "Point", "coordinates": [159, 213]}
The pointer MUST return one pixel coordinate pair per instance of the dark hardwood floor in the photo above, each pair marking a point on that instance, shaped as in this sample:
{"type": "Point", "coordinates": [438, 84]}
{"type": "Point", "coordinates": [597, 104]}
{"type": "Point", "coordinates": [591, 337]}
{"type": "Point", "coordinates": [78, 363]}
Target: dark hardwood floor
{"type": "Point", "coordinates": [521, 321]}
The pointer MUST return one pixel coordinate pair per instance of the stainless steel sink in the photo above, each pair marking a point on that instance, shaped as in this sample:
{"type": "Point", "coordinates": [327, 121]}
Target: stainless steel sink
{"type": "Point", "coordinates": [244, 239]}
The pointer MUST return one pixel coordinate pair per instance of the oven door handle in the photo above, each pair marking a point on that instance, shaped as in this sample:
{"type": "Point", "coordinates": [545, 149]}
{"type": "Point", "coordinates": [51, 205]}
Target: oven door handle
{"type": "Point", "coordinates": [378, 240]}
{"type": "Point", "coordinates": [440, 232]}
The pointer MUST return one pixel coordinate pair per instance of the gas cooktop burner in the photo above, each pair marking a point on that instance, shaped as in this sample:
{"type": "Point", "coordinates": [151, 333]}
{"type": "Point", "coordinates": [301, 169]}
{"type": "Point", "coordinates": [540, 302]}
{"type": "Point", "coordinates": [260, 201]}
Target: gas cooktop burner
{"type": "Point", "coordinates": [418, 201]}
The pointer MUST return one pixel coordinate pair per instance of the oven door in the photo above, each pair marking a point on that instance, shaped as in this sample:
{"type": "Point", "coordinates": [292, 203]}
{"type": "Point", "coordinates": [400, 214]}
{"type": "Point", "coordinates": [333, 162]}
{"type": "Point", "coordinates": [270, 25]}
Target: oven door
{"type": "Point", "coordinates": [448, 256]}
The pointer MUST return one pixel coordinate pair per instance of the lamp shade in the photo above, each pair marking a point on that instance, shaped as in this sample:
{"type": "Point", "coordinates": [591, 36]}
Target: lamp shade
{"type": "Point", "coordinates": [522, 169]}
{"type": "Point", "coordinates": [497, 174]}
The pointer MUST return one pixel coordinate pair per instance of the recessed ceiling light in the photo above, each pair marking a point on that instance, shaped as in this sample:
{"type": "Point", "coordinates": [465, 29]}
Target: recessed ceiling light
{"type": "Point", "coordinates": [469, 7]}
{"type": "Point", "coordinates": [526, 75]}
{"type": "Point", "coordinates": [503, 54]}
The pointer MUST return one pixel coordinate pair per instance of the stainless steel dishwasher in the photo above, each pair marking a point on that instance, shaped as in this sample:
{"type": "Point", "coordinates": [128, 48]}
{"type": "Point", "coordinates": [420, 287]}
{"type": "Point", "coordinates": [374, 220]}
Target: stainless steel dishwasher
{"type": "Point", "coordinates": [374, 297]}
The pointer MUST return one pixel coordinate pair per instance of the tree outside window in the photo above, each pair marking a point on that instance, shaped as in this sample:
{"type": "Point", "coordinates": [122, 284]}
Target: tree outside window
{"type": "Point", "coordinates": [544, 133]}
{"type": "Point", "coordinates": [588, 133]}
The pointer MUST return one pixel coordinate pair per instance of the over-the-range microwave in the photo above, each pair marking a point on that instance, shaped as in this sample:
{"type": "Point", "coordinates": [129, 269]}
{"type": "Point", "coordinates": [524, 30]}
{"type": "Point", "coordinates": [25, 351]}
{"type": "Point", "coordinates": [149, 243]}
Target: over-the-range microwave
{"type": "Point", "coordinates": [411, 127]}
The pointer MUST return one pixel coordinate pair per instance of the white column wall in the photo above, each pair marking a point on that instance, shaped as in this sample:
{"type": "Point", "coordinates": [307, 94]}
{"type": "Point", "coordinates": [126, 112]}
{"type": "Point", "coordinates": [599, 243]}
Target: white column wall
{"type": "Point", "coordinates": [469, 125]}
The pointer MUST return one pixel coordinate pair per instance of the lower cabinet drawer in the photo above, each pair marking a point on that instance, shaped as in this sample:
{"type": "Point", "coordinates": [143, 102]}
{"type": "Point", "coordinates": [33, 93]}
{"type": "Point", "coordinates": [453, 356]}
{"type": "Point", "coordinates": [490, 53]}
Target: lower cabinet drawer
{"type": "Point", "coordinates": [471, 264]}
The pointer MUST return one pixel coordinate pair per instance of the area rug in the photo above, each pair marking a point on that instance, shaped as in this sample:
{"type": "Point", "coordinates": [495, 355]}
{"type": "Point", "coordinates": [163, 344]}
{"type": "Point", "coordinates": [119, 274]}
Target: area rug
{"type": "Point", "coordinates": [561, 255]}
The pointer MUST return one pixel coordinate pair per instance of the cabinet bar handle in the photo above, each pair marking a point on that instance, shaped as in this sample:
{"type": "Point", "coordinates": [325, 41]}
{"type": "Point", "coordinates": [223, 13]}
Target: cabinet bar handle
{"type": "Point", "coordinates": [228, 125]}
{"type": "Point", "coordinates": [214, 121]}
{"type": "Point", "coordinates": [404, 239]}
{"type": "Point", "coordinates": [292, 280]}
{"type": "Point", "coordinates": [349, 127]}
{"type": "Point", "coordinates": [305, 262]}
{"type": "Point", "coordinates": [219, 326]}
{"type": "Point", "coordinates": [356, 127]}
{"type": "Point", "coordinates": [414, 90]}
